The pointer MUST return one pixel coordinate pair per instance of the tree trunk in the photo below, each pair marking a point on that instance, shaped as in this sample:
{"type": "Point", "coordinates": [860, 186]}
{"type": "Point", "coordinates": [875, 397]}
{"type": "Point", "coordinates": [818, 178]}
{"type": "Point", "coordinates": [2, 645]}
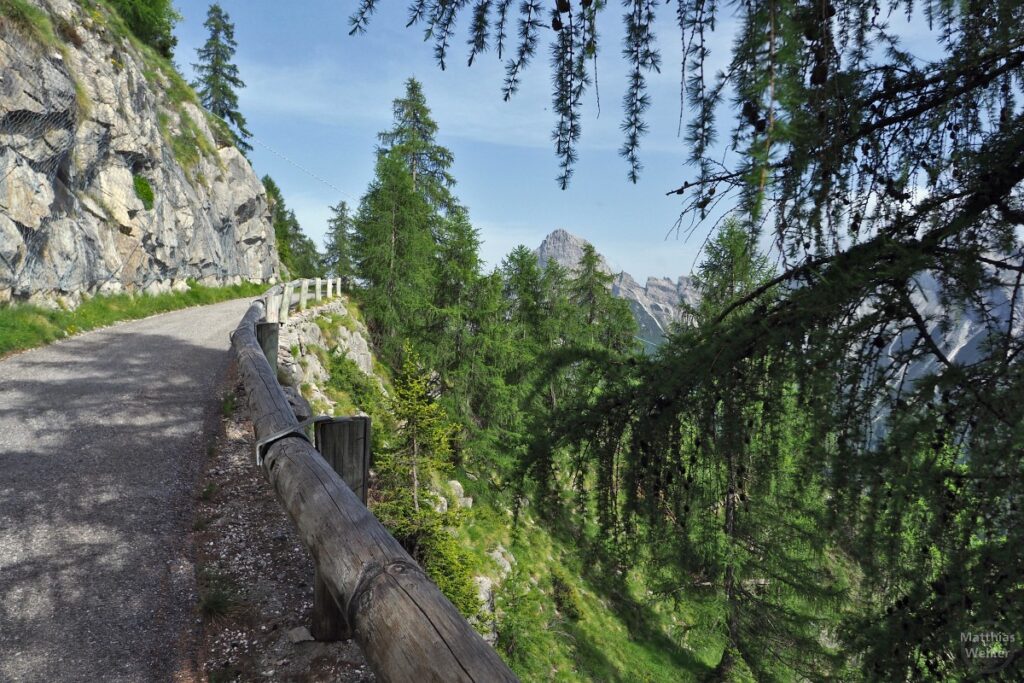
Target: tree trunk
{"type": "Point", "coordinates": [732, 418]}
{"type": "Point", "coordinates": [415, 477]}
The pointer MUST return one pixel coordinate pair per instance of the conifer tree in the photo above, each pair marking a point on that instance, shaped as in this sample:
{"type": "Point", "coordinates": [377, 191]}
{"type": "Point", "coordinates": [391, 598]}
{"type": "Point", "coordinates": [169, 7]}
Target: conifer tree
{"type": "Point", "coordinates": [412, 138]}
{"type": "Point", "coordinates": [297, 252]}
{"type": "Point", "coordinates": [338, 257]}
{"type": "Point", "coordinates": [394, 253]}
{"type": "Point", "coordinates": [423, 435]}
{"type": "Point", "coordinates": [876, 169]}
{"type": "Point", "coordinates": [450, 318]}
{"type": "Point", "coordinates": [218, 78]}
{"type": "Point", "coordinates": [603, 320]}
{"type": "Point", "coordinates": [709, 483]}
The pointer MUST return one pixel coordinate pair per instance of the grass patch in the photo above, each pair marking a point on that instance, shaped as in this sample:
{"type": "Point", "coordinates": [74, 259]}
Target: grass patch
{"type": "Point", "coordinates": [144, 191]}
{"type": "Point", "coordinates": [208, 492]}
{"type": "Point", "coordinates": [218, 596]}
{"type": "Point", "coordinates": [567, 611]}
{"type": "Point", "coordinates": [228, 403]}
{"type": "Point", "coordinates": [24, 327]}
{"type": "Point", "coordinates": [32, 20]}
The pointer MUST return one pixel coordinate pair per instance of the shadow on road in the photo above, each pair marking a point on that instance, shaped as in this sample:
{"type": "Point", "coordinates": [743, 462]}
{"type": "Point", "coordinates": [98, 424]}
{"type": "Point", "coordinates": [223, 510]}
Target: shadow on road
{"type": "Point", "coordinates": [101, 439]}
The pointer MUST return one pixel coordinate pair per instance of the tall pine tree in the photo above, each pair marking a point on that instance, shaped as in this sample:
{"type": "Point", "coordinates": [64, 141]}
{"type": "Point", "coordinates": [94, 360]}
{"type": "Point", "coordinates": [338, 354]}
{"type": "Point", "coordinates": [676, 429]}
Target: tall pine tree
{"type": "Point", "coordinates": [413, 139]}
{"type": "Point", "coordinates": [394, 252]}
{"type": "Point", "coordinates": [218, 77]}
{"type": "Point", "coordinates": [297, 252]}
{"type": "Point", "coordinates": [338, 256]}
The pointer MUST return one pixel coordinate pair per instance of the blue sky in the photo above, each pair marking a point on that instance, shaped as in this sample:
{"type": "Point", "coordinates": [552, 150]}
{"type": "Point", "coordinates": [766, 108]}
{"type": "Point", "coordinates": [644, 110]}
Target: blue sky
{"type": "Point", "coordinates": [316, 99]}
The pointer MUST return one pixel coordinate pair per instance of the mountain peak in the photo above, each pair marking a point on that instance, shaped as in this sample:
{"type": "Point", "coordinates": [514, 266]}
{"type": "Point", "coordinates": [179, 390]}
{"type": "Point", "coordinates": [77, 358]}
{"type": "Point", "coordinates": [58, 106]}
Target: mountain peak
{"type": "Point", "coordinates": [565, 249]}
{"type": "Point", "coordinates": [655, 305]}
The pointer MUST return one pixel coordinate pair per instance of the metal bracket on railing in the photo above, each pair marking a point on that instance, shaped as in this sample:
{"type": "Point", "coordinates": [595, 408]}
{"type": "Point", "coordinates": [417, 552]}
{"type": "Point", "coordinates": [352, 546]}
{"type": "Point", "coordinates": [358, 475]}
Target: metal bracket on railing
{"type": "Point", "coordinates": [263, 445]}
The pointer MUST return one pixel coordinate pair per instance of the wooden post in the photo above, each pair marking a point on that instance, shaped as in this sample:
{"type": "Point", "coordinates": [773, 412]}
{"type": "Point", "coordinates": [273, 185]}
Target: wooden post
{"type": "Point", "coordinates": [286, 300]}
{"type": "Point", "coordinates": [406, 628]}
{"type": "Point", "coordinates": [345, 444]}
{"type": "Point", "coordinates": [302, 293]}
{"type": "Point", "coordinates": [267, 335]}
{"type": "Point", "coordinates": [273, 308]}
{"type": "Point", "coordinates": [317, 291]}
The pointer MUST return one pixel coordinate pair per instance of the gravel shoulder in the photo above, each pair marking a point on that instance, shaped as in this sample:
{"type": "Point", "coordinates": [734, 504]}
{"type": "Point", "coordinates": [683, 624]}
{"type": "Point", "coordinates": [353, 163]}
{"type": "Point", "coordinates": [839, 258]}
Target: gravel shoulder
{"type": "Point", "coordinates": [256, 579]}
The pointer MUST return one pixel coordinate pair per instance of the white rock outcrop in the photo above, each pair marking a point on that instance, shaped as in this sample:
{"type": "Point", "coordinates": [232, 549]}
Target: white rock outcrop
{"type": "Point", "coordinates": [80, 126]}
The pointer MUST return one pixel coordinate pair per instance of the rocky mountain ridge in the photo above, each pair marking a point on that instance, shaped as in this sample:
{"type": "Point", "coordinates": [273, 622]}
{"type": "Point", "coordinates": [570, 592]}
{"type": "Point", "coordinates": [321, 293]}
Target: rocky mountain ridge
{"type": "Point", "coordinates": [112, 177]}
{"type": "Point", "coordinates": [655, 305]}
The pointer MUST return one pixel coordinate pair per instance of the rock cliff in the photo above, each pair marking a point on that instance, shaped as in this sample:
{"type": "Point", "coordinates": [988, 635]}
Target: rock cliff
{"type": "Point", "coordinates": [656, 305]}
{"type": "Point", "coordinates": [112, 177]}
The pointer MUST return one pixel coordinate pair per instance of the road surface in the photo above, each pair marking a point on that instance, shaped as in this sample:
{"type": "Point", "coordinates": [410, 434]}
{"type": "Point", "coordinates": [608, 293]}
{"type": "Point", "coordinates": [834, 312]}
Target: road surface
{"type": "Point", "coordinates": [101, 440]}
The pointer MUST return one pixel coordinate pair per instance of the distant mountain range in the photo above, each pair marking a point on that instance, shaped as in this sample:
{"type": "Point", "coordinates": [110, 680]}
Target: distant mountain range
{"type": "Point", "coordinates": [656, 305]}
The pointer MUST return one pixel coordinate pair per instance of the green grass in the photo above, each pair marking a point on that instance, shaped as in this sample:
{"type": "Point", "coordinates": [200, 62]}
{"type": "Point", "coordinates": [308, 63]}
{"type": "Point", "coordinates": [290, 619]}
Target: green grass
{"type": "Point", "coordinates": [144, 191]}
{"type": "Point", "coordinates": [25, 327]}
{"type": "Point", "coordinates": [565, 614]}
{"type": "Point", "coordinates": [208, 492]}
{"type": "Point", "coordinates": [218, 596]}
{"type": "Point", "coordinates": [227, 404]}
{"type": "Point", "coordinates": [31, 19]}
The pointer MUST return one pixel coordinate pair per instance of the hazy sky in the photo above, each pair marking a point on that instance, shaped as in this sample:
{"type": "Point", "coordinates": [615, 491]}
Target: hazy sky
{"type": "Point", "coordinates": [316, 99]}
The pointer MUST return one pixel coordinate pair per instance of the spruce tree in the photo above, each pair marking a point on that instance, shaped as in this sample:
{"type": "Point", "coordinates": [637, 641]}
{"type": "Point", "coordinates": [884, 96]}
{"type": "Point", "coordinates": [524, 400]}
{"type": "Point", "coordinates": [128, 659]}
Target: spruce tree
{"type": "Point", "coordinates": [394, 253]}
{"type": "Point", "coordinates": [874, 169]}
{"type": "Point", "coordinates": [338, 257]}
{"type": "Point", "coordinates": [218, 78]}
{"type": "Point", "coordinates": [297, 252]}
{"type": "Point", "coordinates": [603, 320]}
{"type": "Point", "coordinates": [412, 138]}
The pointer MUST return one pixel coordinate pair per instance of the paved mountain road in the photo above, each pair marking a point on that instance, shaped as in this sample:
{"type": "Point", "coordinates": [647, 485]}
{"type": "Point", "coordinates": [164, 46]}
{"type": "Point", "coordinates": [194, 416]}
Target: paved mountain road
{"type": "Point", "coordinates": [101, 439]}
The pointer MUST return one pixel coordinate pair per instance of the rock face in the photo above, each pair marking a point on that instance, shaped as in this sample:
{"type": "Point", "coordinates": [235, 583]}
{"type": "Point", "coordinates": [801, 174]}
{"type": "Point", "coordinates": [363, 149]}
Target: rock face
{"type": "Point", "coordinates": [656, 305]}
{"type": "Point", "coordinates": [112, 178]}
{"type": "Point", "coordinates": [318, 332]}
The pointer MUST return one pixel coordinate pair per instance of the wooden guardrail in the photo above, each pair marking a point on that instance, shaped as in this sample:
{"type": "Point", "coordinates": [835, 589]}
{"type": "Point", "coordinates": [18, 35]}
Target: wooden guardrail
{"type": "Point", "coordinates": [408, 630]}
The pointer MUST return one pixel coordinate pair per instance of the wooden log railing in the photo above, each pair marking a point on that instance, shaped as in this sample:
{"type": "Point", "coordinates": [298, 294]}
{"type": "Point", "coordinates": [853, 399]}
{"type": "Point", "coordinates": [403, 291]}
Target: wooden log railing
{"type": "Point", "coordinates": [407, 629]}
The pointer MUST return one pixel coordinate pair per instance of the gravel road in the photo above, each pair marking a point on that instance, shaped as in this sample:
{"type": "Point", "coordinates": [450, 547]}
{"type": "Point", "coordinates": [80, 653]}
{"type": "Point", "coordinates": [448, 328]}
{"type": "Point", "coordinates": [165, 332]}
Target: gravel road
{"type": "Point", "coordinates": [101, 441]}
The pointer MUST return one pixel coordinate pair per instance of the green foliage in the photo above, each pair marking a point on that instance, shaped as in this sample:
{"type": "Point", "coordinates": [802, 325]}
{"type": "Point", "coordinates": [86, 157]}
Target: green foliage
{"type": "Point", "coordinates": [152, 22]}
{"type": "Point", "coordinates": [412, 140]}
{"type": "Point", "coordinates": [884, 168]}
{"type": "Point", "coordinates": [31, 19]}
{"type": "Point", "coordinates": [144, 191]}
{"type": "Point", "coordinates": [393, 247]}
{"type": "Point", "coordinates": [417, 452]}
{"type": "Point", "coordinates": [338, 250]}
{"type": "Point", "coordinates": [218, 77]}
{"type": "Point", "coordinates": [228, 403]}
{"type": "Point", "coordinates": [362, 391]}
{"type": "Point", "coordinates": [563, 593]}
{"type": "Point", "coordinates": [422, 444]}
{"type": "Point", "coordinates": [24, 326]}
{"type": "Point", "coordinates": [297, 252]}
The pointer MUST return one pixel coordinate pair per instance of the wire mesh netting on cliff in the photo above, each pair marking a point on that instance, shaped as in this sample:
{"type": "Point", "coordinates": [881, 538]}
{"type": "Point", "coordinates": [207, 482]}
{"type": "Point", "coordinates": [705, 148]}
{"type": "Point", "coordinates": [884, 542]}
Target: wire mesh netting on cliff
{"type": "Point", "coordinates": [35, 158]}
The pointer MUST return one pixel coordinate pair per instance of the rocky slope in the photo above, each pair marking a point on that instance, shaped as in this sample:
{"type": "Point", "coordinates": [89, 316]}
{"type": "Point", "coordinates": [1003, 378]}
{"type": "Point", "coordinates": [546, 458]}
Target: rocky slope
{"type": "Point", "coordinates": [655, 305]}
{"type": "Point", "coordinates": [112, 178]}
